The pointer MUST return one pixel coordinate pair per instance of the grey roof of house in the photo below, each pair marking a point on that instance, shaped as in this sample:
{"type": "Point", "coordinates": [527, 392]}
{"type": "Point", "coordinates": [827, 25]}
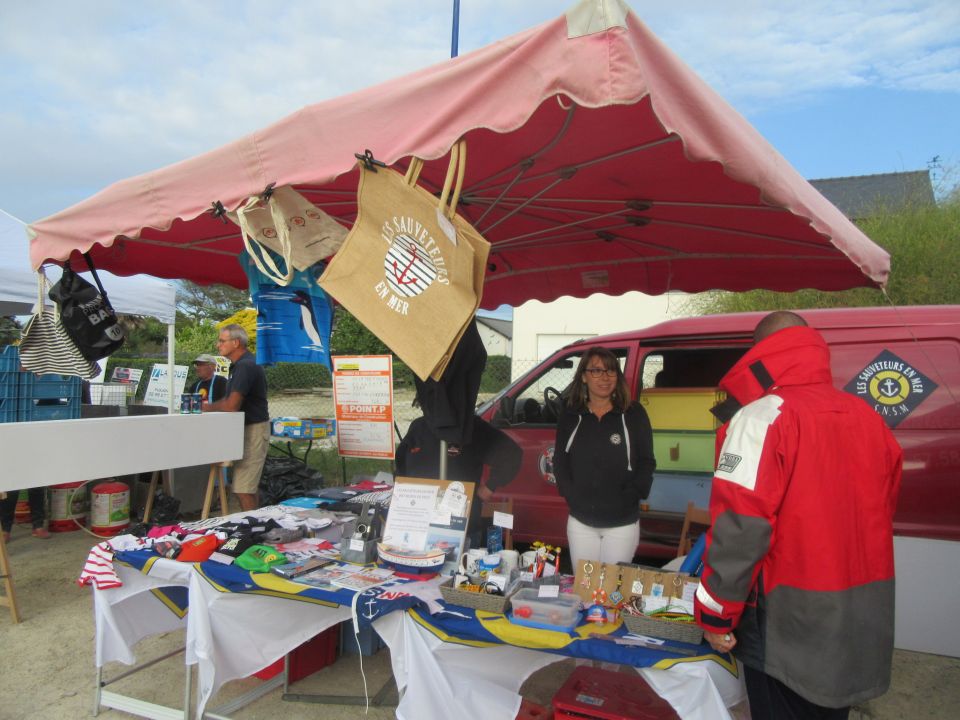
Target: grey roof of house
{"type": "Point", "coordinates": [504, 327]}
{"type": "Point", "coordinates": [862, 195]}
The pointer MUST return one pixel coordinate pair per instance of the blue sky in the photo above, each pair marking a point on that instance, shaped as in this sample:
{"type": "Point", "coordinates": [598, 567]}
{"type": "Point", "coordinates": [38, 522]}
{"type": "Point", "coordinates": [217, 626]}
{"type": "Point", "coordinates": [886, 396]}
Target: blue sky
{"type": "Point", "coordinates": [96, 92]}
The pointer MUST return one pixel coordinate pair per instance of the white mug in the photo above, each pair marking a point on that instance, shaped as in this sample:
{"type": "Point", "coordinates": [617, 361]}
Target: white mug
{"type": "Point", "coordinates": [509, 559]}
{"type": "Point", "coordinates": [470, 560]}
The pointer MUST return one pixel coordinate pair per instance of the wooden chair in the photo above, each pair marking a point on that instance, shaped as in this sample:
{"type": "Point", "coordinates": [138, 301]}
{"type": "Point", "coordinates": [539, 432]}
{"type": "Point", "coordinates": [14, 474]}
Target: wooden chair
{"type": "Point", "coordinates": [505, 506]}
{"type": "Point", "coordinates": [6, 574]}
{"type": "Point", "coordinates": [694, 516]}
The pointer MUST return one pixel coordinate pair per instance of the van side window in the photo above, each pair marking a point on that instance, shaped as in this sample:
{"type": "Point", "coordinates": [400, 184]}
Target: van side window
{"type": "Point", "coordinates": [694, 367]}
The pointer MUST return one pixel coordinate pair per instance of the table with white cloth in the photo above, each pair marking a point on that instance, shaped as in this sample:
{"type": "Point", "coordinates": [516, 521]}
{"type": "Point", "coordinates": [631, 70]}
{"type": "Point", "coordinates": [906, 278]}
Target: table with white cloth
{"type": "Point", "coordinates": [455, 662]}
{"type": "Point", "coordinates": [236, 622]}
{"type": "Point", "coordinates": [470, 664]}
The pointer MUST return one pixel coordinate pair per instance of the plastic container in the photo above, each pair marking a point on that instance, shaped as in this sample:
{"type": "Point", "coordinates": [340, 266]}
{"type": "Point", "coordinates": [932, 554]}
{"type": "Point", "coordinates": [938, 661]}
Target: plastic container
{"type": "Point", "coordinates": [68, 503]}
{"type": "Point", "coordinates": [682, 409]}
{"type": "Point", "coordinates": [10, 359]}
{"type": "Point", "coordinates": [684, 451]}
{"type": "Point", "coordinates": [595, 694]}
{"type": "Point", "coordinates": [110, 508]}
{"type": "Point", "coordinates": [559, 613]}
{"type": "Point", "coordinates": [313, 655]}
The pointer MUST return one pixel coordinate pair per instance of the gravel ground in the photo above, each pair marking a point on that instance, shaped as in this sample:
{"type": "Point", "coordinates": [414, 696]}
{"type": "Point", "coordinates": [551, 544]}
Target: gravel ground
{"type": "Point", "coordinates": [49, 671]}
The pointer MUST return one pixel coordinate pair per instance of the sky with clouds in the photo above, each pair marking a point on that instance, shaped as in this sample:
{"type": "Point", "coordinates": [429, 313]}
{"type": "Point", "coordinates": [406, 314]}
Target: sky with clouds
{"type": "Point", "coordinates": [98, 91]}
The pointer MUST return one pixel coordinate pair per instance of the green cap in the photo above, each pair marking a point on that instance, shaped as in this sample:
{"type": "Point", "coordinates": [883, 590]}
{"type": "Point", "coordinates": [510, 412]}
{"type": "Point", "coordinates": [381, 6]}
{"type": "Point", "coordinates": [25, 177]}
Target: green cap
{"type": "Point", "coordinates": [260, 558]}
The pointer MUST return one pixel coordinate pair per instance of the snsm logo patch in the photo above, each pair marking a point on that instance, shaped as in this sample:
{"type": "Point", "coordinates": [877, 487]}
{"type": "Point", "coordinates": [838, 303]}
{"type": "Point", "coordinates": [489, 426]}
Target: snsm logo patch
{"type": "Point", "coordinates": [892, 387]}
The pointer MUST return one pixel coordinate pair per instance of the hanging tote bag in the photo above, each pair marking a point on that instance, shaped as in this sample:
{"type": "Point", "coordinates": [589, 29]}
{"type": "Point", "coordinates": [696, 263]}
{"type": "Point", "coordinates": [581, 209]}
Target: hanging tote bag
{"type": "Point", "coordinates": [411, 270]}
{"type": "Point", "coordinates": [86, 313]}
{"type": "Point", "coordinates": [291, 226]}
{"type": "Point", "coordinates": [45, 346]}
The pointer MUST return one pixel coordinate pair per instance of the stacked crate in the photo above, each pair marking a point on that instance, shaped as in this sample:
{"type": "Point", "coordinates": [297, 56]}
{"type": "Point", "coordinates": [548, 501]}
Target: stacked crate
{"type": "Point", "coordinates": [26, 397]}
{"type": "Point", "coordinates": [684, 429]}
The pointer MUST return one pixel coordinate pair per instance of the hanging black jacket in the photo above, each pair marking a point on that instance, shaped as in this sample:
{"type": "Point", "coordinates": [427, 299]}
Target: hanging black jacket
{"type": "Point", "coordinates": [604, 466]}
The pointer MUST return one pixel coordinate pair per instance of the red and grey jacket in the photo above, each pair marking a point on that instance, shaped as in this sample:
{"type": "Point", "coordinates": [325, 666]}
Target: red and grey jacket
{"type": "Point", "coordinates": [799, 560]}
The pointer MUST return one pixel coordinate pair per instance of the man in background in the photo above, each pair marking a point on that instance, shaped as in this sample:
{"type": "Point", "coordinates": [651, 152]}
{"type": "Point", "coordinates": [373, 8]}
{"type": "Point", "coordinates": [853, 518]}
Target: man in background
{"type": "Point", "coordinates": [247, 393]}
{"type": "Point", "coordinates": [798, 576]}
{"type": "Point", "coordinates": [210, 386]}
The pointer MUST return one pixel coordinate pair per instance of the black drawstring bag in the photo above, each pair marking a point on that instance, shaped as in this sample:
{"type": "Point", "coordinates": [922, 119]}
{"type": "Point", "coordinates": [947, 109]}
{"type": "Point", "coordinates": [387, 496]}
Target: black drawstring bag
{"type": "Point", "coordinates": [86, 313]}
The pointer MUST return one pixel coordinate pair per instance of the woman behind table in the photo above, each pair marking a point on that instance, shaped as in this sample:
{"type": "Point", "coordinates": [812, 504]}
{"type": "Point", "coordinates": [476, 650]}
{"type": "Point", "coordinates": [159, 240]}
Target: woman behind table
{"type": "Point", "coordinates": [603, 461]}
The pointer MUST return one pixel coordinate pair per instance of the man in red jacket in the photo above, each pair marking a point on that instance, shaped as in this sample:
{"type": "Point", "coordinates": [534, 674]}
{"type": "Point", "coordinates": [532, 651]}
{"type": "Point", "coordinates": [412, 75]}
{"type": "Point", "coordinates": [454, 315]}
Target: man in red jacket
{"type": "Point", "coordinates": [798, 574]}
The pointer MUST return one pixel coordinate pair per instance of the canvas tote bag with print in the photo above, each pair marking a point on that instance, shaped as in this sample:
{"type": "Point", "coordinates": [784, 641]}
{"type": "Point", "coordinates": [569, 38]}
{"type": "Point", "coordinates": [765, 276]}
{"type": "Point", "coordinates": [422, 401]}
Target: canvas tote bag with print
{"type": "Point", "coordinates": [291, 226]}
{"type": "Point", "coordinates": [45, 346]}
{"type": "Point", "coordinates": [411, 270]}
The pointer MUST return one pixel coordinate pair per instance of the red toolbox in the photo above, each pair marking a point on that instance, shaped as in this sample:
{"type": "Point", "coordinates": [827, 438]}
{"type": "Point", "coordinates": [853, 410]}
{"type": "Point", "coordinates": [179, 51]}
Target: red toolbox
{"type": "Point", "coordinates": [305, 660]}
{"type": "Point", "coordinates": [594, 694]}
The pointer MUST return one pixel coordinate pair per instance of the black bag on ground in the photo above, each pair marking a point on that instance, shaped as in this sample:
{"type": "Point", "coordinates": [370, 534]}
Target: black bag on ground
{"type": "Point", "coordinates": [284, 478]}
{"type": "Point", "coordinates": [86, 313]}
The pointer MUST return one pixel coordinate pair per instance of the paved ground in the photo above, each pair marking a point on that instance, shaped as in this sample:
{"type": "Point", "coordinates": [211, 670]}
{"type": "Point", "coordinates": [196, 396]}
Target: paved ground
{"type": "Point", "coordinates": [49, 672]}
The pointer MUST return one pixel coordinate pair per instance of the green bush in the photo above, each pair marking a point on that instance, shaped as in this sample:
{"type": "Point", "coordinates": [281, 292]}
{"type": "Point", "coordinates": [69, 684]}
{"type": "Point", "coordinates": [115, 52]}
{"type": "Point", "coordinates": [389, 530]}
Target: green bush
{"type": "Point", "coordinates": [496, 375]}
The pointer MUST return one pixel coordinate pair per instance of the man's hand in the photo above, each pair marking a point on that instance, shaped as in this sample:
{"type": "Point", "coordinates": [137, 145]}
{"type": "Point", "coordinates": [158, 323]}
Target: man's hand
{"type": "Point", "coordinates": [484, 493]}
{"type": "Point", "coordinates": [723, 643]}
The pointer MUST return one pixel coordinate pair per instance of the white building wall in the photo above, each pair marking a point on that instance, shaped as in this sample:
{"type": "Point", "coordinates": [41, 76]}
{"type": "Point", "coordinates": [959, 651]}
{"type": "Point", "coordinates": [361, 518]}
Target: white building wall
{"type": "Point", "coordinates": [541, 328]}
{"type": "Point", "coordinates": [494, 342]}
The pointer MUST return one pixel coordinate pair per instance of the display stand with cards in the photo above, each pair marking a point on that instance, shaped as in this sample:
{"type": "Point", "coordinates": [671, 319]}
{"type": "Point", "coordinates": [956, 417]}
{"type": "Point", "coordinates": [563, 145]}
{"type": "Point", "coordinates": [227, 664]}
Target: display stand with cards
{"type": "Point", "coordinates": [426, 525]}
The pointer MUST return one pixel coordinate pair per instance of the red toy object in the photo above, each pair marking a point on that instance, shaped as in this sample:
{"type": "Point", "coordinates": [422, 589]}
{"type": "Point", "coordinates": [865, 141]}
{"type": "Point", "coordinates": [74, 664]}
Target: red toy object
{"type": "Point", "coordinates": [524, 611]}
{"type": "Point", "coordinates": [594, 694]}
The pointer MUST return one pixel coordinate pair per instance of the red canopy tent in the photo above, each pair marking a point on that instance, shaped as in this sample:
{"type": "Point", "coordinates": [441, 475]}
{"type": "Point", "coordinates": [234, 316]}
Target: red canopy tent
{"type": "Point", "coordinates": [598, 162]}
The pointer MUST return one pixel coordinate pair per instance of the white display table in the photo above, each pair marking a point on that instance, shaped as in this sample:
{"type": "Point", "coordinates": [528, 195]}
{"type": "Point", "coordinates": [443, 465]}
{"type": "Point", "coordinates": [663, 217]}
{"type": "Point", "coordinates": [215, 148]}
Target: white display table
{"type": "Point", "coordinates": [37, 454]}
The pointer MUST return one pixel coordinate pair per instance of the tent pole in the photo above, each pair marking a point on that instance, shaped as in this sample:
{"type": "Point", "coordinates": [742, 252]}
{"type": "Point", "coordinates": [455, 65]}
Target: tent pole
{"type": "Point", "coordinates": [443, 460]}
{"type": "Point", "coordinates": [171, 342]}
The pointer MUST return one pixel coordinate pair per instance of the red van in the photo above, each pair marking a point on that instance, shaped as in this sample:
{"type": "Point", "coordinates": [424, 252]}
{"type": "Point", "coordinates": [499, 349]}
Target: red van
{"type": "Point", "coordinates": [905, 362]}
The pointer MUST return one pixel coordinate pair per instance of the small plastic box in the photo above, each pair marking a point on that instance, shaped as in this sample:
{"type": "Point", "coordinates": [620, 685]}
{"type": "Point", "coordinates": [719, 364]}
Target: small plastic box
{"type": "Point", "coordinates": [550, 613]}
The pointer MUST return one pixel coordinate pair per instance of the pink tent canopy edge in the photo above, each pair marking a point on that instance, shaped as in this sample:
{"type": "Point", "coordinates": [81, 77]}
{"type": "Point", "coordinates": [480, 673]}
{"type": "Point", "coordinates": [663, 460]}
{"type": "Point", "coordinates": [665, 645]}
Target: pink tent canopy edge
{"type": "Point", "coordinates": [497, 87]}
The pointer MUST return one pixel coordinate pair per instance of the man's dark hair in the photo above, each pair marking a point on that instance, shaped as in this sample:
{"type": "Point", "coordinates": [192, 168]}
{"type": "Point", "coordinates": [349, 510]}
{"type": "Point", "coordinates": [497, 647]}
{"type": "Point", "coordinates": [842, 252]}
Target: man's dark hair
{"type": "Point", "coordinates": [776, 321]}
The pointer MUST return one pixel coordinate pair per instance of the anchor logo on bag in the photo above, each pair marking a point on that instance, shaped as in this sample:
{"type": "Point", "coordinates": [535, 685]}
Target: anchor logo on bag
{"type": "Point", "coordinates": [408, 268]}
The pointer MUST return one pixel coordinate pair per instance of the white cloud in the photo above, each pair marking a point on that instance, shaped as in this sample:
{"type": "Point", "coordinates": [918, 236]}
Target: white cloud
{"type": "Point", "coordinates": [99, 91]}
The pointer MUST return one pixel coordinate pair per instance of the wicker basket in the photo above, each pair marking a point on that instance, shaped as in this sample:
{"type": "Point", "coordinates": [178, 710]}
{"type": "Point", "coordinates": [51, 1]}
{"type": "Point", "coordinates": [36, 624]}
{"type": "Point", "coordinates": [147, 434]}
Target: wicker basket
{"type": "Point", "coordinates": [666, 629]}
{"type": "Point", "coordinates": [475, 600]}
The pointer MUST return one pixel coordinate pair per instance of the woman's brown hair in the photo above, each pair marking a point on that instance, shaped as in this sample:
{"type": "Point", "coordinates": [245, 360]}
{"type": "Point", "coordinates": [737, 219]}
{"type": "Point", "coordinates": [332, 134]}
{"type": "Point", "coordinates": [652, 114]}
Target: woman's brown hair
{"type": "Point", "coordinates": [578, 389]}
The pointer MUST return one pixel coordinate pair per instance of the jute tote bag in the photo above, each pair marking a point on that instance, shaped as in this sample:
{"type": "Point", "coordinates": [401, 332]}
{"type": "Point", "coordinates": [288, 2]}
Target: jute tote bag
{"type": "Point", "coordinates": [290, 225]}
{"type": "Point", "coordinates": [411, 270]}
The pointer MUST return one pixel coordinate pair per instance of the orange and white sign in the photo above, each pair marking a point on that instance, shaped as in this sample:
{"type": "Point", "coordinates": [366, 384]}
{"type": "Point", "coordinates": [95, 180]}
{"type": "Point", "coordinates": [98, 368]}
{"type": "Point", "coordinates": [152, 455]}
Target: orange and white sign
{"type": "Point", "coordinates": [363, 396]}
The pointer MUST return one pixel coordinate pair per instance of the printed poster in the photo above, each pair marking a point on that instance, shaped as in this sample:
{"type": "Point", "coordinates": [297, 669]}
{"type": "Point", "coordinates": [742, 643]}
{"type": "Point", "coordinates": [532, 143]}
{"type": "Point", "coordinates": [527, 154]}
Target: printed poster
{"type": "Point", "coordinates": [158, 389]}
{"type": "Point", "coordinates": [363, 398]}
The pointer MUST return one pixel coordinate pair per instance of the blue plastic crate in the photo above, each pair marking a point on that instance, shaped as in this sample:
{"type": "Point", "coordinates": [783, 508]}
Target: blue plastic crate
{"type": "Point", "coordinates": [28, 410]}
{"type": "Point", "coordinates": [9, 382]}
{"type": "Point", "coordinates": [49, 387]}
{"type": "Point", "coordinates": [10, 359]}
{"type": "Point", "coordinates": [8, 410]}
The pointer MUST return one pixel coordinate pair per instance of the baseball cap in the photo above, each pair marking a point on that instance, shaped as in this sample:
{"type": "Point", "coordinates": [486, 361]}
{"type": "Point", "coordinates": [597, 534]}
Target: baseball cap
{"type": "Point", "coordinates": [205, 358]}
{"type": "Point", "coordinates": [260, 558]}
{"type": "Point", "coordinates": [198, 549]}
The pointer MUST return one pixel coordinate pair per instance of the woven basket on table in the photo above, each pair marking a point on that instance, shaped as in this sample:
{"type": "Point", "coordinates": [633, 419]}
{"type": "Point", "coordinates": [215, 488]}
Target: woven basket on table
{"type": "Point", "coordinates": [687, 632]}
{"type": "Point", "coordinates": [475, 600]}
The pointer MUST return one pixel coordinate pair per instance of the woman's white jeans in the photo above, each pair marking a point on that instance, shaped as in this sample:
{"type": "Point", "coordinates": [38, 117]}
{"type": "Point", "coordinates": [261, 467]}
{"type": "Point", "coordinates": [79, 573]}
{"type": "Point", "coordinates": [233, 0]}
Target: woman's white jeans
{"type": "Point", "coordinates": [607, 545]}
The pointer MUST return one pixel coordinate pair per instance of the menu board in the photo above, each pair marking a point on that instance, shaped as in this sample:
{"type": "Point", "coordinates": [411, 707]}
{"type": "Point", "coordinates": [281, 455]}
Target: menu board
{"type": "Point", "coordinates": [363, 398]}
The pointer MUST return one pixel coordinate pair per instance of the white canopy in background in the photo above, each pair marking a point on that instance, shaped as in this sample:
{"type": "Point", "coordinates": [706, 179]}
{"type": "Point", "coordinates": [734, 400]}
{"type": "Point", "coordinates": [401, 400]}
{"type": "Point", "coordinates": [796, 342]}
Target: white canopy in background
{"type": "Point", "coordinates": [135, 295]}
